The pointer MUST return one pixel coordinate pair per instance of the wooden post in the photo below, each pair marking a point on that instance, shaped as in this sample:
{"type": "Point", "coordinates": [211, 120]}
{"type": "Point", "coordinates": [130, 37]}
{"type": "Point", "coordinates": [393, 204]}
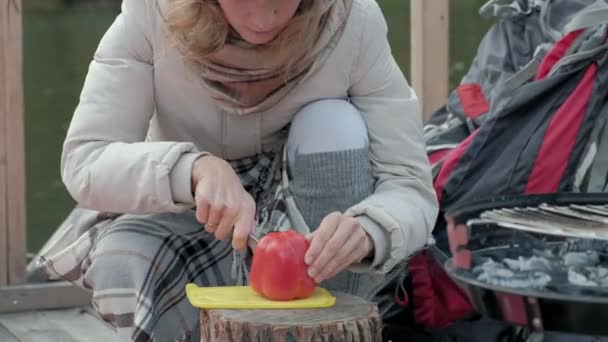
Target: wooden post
{"type": "Point", "coordinates": [350, 319]}
{"type": "Point", "coordinates": [12, 151]}
{"type": "Point", "coordinates": [430, 52]}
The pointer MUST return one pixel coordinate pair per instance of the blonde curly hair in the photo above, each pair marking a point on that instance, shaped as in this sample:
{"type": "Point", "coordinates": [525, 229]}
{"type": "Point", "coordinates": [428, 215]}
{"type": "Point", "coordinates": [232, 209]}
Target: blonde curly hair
{"type": "Point", "coordinates": [199, 28]}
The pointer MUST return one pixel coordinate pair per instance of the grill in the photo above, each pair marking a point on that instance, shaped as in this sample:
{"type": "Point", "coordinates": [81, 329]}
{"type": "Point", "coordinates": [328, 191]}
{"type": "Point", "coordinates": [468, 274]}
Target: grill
{"type": "Point", "coordinates": [538, 261]}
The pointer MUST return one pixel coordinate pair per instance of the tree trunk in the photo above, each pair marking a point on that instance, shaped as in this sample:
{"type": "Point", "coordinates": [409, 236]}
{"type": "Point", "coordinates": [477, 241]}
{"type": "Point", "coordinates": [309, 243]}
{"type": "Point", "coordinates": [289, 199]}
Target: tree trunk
{"type": "Point", "coordinates": [352, 319]}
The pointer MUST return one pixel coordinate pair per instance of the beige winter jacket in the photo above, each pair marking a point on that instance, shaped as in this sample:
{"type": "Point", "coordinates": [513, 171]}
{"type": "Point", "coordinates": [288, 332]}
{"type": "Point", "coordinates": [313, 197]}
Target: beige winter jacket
{"type": "Point", "coordinates": [143, 118]}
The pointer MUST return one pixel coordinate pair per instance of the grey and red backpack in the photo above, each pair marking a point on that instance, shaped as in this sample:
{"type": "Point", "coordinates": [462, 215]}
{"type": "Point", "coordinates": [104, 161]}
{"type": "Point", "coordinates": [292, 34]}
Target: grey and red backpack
{"type": "Point", "coordinates": [529, 117]}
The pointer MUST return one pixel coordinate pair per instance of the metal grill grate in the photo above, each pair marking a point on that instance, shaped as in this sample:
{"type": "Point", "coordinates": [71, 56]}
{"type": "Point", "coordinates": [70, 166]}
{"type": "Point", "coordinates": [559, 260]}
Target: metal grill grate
{"type": "Point", "coordinates": [584, 221]}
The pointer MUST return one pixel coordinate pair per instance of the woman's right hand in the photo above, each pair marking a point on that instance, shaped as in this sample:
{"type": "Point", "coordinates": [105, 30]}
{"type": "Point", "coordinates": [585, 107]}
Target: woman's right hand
{"type": "Point", "coordinates": [222, 204]}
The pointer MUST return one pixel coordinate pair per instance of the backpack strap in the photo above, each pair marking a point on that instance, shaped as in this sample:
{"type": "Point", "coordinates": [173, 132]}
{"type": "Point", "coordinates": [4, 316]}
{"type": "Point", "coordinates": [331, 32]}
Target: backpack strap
{"type": "Point", "coordinates": [524, 75]}
{"type": "Point", "coordinates": [545, 21]}
{"type": "Point", "coordinates": [599, 166]}
{"type": "Point", "coordinates": [583, 169]}
{"type": "Point", "coordinates": [575, 47]}
{"type": "Point", "coordinates": [577, 57]}
{"type": "Point", "coordinates": [557, 53]}
{"type": "Point", "coordinates": [595, 14]}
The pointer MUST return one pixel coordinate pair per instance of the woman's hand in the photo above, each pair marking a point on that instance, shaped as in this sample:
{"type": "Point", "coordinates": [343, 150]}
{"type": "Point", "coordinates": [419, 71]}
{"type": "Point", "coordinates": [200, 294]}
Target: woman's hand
{"type": "Point", "coordinates": [222, 204]}
{"type": "Point", "coordinates": [338, 243]}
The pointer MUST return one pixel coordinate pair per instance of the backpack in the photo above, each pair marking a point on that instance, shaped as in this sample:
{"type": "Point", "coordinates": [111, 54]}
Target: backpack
{"type": "Point", "coordinates": [508, 55]}
{"type": "Point", "coordinates": [530, 121]}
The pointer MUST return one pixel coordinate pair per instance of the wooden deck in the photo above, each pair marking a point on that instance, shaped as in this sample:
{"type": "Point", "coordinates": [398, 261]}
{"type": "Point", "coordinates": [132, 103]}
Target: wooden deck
{"type": "Point", "coordinates": [71, 325]}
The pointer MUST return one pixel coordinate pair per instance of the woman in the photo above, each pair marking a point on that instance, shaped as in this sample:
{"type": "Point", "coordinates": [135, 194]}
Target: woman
{"type": "Point", "coordinates": [201, 121]}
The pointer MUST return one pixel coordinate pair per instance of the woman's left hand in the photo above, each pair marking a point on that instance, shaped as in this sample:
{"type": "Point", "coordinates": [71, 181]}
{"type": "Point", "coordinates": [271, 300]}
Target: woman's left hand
{"type": "Point", "coordinates": [338, 243]}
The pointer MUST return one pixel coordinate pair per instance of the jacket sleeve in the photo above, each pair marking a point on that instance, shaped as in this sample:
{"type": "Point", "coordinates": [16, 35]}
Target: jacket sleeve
{"type": "Point", "coordinates": [400, 214]}
{"type": "Point", "coordinates": [106, 164]}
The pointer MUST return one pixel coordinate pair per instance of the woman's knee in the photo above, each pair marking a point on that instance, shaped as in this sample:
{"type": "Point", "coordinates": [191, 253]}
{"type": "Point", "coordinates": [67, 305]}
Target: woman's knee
{"type": "Point", "coordinates": [326, 126]}
{"type": "Point", "coordinates": [121, 259]}
{"type": "Point", "coordinates": [136, 249]}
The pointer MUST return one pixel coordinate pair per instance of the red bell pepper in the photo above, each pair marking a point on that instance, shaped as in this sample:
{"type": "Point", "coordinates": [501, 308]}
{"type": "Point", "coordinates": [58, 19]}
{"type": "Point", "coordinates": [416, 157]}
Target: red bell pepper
{"type": "Point", "coordinates": [278, 270]}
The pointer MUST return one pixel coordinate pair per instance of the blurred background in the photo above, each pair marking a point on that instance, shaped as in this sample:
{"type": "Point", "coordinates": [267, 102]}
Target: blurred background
{"type": "Point", "coordinates": [60, 37]}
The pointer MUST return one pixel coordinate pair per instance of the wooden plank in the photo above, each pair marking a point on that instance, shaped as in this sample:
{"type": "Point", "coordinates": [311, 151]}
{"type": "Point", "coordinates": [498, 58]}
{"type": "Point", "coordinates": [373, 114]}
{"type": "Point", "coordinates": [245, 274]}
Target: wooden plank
{"type": "Point", "coordinates": [3, 159]}
{"type": "Point", "coordinates": [15, 143]}
{"type": "Point", "coordinates": [430, 52]}
{"type": "Point", "coordinates": [6, 335]}
{"type": "Point", "coordinates": [73, 325]}
{"type": "Point", "coordinates": [54, 295]}
{"type": "Point", "coordinates": [12, 151]}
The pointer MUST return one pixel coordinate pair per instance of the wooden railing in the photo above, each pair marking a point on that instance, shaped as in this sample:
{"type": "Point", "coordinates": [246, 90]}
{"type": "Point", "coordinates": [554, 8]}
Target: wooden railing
{"type": "Point", "coordinates": [430, 52]}
{"type": "Point", "coordinates": [429, 78]}
{"type": "Point", "coordinates": [12, 152]}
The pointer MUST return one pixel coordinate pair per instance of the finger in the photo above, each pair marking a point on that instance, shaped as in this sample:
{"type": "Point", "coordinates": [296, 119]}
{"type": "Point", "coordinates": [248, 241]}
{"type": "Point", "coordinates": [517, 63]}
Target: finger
{"type": "Point", "coordinates": [202, 195]}
{"type": "Point", "coordinates": [245, 222]}
{"type": "Point", "coordinates": [202, 211]}
{"type": "Point", "coordinates": [215, 216]}
{"type": "Point", "coordinates": [321, 236]}
{"type": "Point", "coordinates": [227, 223]}
{"type": "Point", "coordinates": [350, 252]}
{"type": "Point", "coordinates": [335, 243]}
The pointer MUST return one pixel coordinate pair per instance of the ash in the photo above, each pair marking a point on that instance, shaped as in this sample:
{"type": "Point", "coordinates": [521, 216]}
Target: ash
{"type": "Point", "coordinates": [574, 263]}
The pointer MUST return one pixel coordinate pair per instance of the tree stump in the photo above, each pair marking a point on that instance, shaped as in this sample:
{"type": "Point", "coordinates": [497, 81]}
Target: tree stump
{"type": "Point", "coordinates": [351, 319]}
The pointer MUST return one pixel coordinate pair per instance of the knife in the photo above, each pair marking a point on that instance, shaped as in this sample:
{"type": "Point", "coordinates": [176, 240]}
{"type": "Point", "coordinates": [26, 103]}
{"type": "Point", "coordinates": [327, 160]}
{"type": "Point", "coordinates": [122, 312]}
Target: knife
{"type": "Point", "coordinates": [252, 242]}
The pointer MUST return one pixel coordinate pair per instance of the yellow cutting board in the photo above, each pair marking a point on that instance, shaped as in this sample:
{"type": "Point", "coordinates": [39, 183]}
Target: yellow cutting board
{"type": "Point", "coordinates": [243, 297]}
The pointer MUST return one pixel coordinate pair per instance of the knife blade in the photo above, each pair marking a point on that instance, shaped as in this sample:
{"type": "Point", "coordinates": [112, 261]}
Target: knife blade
{"type": "Point", "coordinates": [252, 242]}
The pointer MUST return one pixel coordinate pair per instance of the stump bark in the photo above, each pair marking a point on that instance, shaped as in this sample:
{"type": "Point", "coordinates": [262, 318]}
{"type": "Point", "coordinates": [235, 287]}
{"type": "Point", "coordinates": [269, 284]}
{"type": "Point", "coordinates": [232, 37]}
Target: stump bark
{"type": "Point", "coordinates": [352, 319]}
